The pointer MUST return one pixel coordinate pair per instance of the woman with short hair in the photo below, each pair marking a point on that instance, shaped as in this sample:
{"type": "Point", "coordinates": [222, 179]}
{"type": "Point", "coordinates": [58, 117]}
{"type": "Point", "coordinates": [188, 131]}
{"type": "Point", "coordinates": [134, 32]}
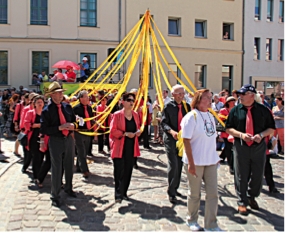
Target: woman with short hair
{"type": "Point", "coordinates": [201, 161]}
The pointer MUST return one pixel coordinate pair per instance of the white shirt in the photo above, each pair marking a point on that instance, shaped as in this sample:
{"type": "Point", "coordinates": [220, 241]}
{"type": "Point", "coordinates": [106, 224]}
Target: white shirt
{"type": "Point", "coordinates": [202, 134]}
{"type": "Point", "coordinates": [149, 107]}
{"type": "Point", "coordinates": [217, 106]}
{"type": "Point", "coordinates": [166, 100]}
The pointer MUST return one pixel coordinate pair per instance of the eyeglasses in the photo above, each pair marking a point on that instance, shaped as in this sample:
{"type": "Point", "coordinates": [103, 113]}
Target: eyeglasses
{"type": "Point", "coordinates": [243, 94]}
{"type": "Point", "coordinates": [130, 100]}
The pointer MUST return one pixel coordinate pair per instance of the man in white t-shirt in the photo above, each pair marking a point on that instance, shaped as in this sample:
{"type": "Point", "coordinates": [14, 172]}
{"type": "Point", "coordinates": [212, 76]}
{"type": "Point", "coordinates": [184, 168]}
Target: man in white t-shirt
{"type": "Point", "coordinates": [166, 99]}
{"type": "Point", "coordinates": [217, 105]}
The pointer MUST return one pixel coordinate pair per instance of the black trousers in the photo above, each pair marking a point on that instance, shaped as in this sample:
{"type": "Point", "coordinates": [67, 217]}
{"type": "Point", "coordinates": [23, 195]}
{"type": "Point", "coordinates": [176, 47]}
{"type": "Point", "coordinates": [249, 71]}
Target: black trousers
{"type": "Point", "coordinates": [101, 139]}
{"type": "Point", "coordinates": [175, 163]}
{"type": "Point", "coordinates": [46, 165]}
{"type": "Point", "coordinates": [82, 143]}
{"type": "Point", "coordinates": [27, 158]}
{"type": "Point", "coordinates": [228, 152]}
{"type": "Point", "coordinates": [145, 137]}
{"type": "Point", "coordinates": [268, 174]}
{"type": "Point", "coordinates": [249, 165]}
{"type": "Point", "coordinates": [36, 155]}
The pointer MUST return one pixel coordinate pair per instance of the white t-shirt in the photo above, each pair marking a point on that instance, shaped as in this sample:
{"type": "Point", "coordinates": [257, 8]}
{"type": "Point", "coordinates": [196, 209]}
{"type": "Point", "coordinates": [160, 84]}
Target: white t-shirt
{"type": "Point", "coordinates": [217, 106]}
{"type": "Point", "coordinates": [166, 100]}
{"type": "Point", "coordinates": [202, 134]}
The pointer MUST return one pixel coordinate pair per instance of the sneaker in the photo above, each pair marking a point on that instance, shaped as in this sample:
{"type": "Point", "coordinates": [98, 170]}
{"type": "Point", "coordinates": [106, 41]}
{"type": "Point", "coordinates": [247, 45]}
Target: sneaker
{"type": "Point", "coordinates": [194, 226]}
{"type": "Point", "coordinates": [217, 229]}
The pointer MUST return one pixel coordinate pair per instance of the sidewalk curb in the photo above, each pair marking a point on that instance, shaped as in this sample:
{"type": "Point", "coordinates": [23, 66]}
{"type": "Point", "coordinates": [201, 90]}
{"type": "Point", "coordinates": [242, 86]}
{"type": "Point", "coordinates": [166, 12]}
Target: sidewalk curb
{"type": "Point", "coordinates": [14, 160]}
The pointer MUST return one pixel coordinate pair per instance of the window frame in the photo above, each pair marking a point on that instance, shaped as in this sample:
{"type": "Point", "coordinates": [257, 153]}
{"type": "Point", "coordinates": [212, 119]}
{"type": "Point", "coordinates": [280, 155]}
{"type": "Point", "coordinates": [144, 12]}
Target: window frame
{"type": "Point", "coordinates": [4, 68]}
{"type": "Point", "coordinates": [231, 31]}
{"type": "Point", "coordinates": [39, 68]}
{"type": "Point", "coordinates": [268, 50]}
{"type": "Point", "coordinates": [39, 20]}
{"type": "Point", "coordinates": [204, 28]}
{"type": "Point", "coordinates": [92, 63]}
{"type": "Point", "coordinates": [230, 78]}
{"type": "Point", "coordinates": [88, 11]}
{"type": "Point", "coordinates": [257, 16]}
{"type": "Point", "coordinates": [281, 11]}
{"type": "Point", "coordinates": [178, 24]}
{"type": "Point", "coordinates": [4, 9]}
{"type": "Point", "coordinates": [280, 50]}
{"type": "Point", "coordinates": [269, 18]}
{"type": "Point", "coordinates": [204, 75]}
{"type": "Point", "coordinates": [256, 45]}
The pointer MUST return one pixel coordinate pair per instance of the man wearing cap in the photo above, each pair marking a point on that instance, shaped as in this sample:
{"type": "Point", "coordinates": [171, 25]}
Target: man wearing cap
{"type": "Point", "coordinates": [249, 122]}
{"type": "Point", "coordinates": [58, 122]}
{"type": "Point", "coordinates": [84, 67]}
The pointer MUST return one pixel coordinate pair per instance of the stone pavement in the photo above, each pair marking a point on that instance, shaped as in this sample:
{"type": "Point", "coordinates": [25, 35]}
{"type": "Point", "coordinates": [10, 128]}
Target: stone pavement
{"type": "Point", "coordinates": [24, 207]}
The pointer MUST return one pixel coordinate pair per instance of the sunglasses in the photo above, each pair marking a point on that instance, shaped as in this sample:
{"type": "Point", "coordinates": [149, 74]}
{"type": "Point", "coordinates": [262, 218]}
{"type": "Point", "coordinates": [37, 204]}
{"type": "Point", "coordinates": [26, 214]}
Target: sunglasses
{"type": "Point", "coordinates": [130, 100]}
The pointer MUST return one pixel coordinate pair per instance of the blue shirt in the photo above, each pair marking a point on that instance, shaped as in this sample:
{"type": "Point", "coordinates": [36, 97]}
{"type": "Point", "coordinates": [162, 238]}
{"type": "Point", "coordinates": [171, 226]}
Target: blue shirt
{"type": "Point", "coordinates": [86, 66]}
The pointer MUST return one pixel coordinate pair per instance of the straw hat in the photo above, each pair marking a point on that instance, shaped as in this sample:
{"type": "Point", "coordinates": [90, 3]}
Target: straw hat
{"type": "Point", "coordinates": [231, 98]}
{"type": "Point", "coordinates": [33, 95]}
{"type": "Point", "coordinates": [54, 87]}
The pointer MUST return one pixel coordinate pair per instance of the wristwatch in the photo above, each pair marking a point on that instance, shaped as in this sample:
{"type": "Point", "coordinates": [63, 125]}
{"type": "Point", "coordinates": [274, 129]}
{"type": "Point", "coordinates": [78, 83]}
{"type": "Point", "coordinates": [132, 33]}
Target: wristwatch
{"type": "Point", "coordinates": [261, 135]}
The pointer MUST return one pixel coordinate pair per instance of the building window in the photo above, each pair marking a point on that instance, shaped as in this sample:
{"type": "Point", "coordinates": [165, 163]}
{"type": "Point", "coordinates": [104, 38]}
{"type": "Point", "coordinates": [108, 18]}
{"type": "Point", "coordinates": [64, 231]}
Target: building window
{"type": "Point", "coordinates": [200, 29]}
{"type": "Point", "coordinates": [171, 78]}
{"type": "Point", "coordinates": [269, 10]}
{"type": "Point", "coordinates": [280, 50]}
{"type": "Point", "coordinates": [174, 26]}
{"type": "Point", "coordinates": [256, 48]}
{"type": "Point", "coordinates": [92, 60]}
{"type": "Point", "coordinates": [150, 75]}
{"type": "Point", "coordinates": [281, 11]}
{"type": "Point", "coordinates": [3, 67]}
{"type": "Point", "coordinates": [257, 10]}
{"type": "Point", "coordinates": [39, 12]}
{"type": "Point", "coordinates": [227, 77]}
{"type": "Point", "coordinates": [200, 76]}
{"type": "Point", "coordinates": [268, 49]}
{"type": "Point", "coordinates": [40, 62]}
{"type": "Point", "coordinates": [3, 11]}
{"type": "Point", "coordinates": [228, 31]}
{"type": "Point", "coordinates": [88, 13]}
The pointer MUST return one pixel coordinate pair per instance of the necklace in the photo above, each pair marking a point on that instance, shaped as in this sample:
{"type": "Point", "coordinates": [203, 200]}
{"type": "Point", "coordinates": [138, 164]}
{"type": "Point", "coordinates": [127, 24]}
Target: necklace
{"type": "Point", "coordinates": [209, 129]}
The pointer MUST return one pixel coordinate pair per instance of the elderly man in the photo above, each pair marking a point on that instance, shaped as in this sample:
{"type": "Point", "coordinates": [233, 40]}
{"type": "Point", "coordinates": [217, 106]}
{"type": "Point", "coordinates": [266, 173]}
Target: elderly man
{"type": "Point", "coordinates": [172, 115]}
{"type": "Point", "coordinates": [265, 103]}
{"type": "Point", "coordinates": [249, 122]}
{"type": "Point", "coordinates": [58, 122]}
{"type": "Point", "coordinates": [82, 142]}
{"type": "Point", "coordinates": [217, 105]}
{"type": "Point", "coordinates": [84, 69]}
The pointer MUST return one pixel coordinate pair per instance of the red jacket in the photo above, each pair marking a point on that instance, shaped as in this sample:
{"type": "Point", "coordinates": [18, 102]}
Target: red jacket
{"type": "Point", "coordinates": [224, 112]}
{"type": "Point", "coordinates": [117, 138]}
{"type": "Point", "coordinates": [30, 118]}
{"type": "Point", "coordinates": [18, 109]}
{"type": "Point", "coordinates": [23, 114]}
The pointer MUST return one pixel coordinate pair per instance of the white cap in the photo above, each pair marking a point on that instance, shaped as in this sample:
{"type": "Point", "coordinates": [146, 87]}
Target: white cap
{"type": "Point", "coordinates": [84, 58]}
{"type": "Point", "coordinates": [26, 89]}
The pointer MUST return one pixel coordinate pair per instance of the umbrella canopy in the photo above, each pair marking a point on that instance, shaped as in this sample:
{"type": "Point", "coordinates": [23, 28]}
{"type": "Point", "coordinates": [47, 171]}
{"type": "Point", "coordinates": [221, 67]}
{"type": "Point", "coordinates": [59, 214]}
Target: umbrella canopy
{"type": "Point", "coordinates": [64, 63]}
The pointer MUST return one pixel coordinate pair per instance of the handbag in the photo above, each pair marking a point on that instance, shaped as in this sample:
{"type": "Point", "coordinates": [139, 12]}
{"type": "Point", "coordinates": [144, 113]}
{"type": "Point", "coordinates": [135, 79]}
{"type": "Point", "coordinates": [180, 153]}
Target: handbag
{"type": "Point", "coordinates": [22, 137]}
{"type": "Point", "coordinates": [220, 128]}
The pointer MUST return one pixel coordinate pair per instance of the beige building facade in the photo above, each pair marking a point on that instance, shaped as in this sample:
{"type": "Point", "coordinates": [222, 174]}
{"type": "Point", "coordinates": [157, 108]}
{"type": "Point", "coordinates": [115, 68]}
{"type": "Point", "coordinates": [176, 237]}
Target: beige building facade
{"type": "Point", "coordinates": [205, 36]}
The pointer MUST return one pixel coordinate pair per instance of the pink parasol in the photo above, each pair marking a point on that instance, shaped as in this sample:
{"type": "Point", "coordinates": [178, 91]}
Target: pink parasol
{"type": "Point", "coordinates": [64, 63]}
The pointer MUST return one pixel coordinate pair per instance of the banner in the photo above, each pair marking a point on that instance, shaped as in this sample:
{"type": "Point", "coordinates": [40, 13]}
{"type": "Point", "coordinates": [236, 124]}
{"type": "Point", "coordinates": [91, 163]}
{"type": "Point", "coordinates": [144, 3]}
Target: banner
{"type": "Point", "coordinates": [71, 87]}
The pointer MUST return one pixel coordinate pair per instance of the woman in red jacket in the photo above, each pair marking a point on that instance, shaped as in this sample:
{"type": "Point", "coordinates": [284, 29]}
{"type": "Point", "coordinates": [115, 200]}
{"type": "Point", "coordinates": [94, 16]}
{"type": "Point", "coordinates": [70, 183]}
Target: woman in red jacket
{"type": "Point", "coordinates": [32, 130]}
{"type": "Point", "coordinates": [227, 151]}
{"type": "Point", "coordinates": [124, 133]}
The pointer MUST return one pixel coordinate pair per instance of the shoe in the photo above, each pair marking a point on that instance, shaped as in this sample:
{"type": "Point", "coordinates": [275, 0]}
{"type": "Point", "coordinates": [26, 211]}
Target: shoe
{"type": "Point", "coordinates": [136, 166]}
{"type": "Point", "coordinates": [125, 197]}
{"type": "Point", "coordinates": [37, 182]}
{"type": "Point", "coordinates": [172, 199]}
{"type": "Point", "coordinates": [253, 204]}
{"type": "Point", "coordinates": [1, 152]}
{"type": "Point", "coordinates": [242, 210]}
{"type": "Point", "coordinates": [222, 161]}
{"type": "Point", "coordinates": [23, 170]}
{"type": "Point", "coordinates": [16, 154]}
{"type": "Point", "coordinates": [91, 155]}
{"type": "Point", "coordinates": [194, 226]}
{"type": "Point", "coordinates": [118, 200]}
{"type": "Point", "coordinates": [56, 203]}
{"type": "Point", "coordinates": [273, 190]}
{"type": "Point", "coordinates": [71, 194]}
{"type": "Point", "coordinates": [85, 178]}
{"type": "Point", "coordinates": [281, 153]}
{"type": "Point", "coordinates": [102, 152]}
{"type": "Point", "coordinates": [217, 229]}
{"type": "Point", "coordinates": [232, 172]}
{"type": "Point", "coordinates": [178, 194]}
{"type": "Point", "coordinates": [148, 148]}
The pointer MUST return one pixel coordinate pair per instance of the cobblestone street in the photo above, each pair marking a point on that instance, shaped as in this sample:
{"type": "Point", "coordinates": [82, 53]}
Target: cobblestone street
{"type": "Point", "coordinates": [25, 207]}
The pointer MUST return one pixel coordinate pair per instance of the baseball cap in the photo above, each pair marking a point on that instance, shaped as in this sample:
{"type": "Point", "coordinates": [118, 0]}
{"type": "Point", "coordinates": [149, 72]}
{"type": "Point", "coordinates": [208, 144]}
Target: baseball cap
{"type": "Point", "coordinates": [84, 58]}
{"type": "Point", "coordinates": [246, 88]}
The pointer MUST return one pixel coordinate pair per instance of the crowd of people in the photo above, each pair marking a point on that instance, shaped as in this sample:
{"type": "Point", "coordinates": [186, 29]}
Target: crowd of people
{"type": "Point", "coordinates": [53, 133]}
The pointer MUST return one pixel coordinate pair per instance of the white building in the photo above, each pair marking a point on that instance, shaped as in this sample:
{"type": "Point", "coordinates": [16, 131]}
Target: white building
{"type": "Point", "coordinates": [263, 61]}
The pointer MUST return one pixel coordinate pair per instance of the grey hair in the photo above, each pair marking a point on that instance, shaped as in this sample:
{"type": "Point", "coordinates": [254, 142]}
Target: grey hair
{"type": "Point", "coordinates": [216, 95]}
{"type": "Point", "coordinates": [176, 87]}
{"type": "Point", "coordinates": [81, 93]}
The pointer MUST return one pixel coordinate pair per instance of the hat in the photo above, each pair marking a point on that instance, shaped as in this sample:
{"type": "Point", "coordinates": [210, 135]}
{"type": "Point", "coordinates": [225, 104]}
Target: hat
{"type": "Point", "coordinates": [246, 88]}
{"type": "Point", "coordinates": [54, 87]}
{"type": "Point", "coordinates": [32, 95]}
{"type": "Point", "coordinates": [84, 58]}
{"type": "Point", "coordinates": [231, 98]}
{"type": "Point", "coordinates": [26, 89]}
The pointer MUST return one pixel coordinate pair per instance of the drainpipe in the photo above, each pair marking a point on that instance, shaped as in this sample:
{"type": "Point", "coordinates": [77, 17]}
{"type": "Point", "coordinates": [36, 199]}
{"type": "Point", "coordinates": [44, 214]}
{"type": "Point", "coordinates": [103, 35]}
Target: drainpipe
{"type": "Point", "coordinates": [120, 25]}
{"type": "Point", "coordinates": [242, 60]}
